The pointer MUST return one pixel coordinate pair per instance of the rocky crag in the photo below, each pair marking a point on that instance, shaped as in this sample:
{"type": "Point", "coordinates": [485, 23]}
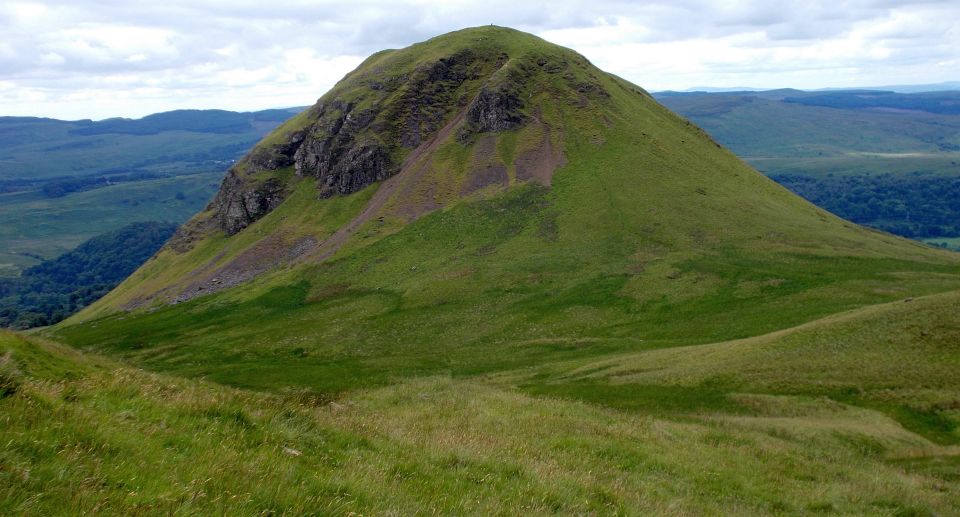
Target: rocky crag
{"type": "Point", "coordinates": [360, 132]}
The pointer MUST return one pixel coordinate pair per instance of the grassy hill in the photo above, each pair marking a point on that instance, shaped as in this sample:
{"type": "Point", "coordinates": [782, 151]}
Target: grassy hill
{"type": "Point", "coordinates": [526, 287]}
{"type": "Point", "coordinates": [63, 182]}
{"type": "Point", "coordinates": [887, 160]}
{"type": "Point", "coordinates": [650, 235]}
{"type": "Point", "coordinates": [752, 427]}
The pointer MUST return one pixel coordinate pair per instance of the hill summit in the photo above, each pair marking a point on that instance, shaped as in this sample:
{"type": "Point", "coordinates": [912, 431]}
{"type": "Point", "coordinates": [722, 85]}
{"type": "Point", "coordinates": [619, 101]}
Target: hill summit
{"type": "Point", "coordinates": [391, 114]}
{"type": "Point", "coordinates": [497, 197]}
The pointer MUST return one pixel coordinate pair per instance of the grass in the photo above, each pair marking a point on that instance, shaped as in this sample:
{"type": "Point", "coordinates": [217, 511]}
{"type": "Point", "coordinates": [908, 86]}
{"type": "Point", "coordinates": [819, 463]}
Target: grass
{"type": "Point", "coordinates": [460, 279]}
{"type": "Point", "coordinates": [99, 436]}
{"type": "Point", "coordinates": [856, 358]}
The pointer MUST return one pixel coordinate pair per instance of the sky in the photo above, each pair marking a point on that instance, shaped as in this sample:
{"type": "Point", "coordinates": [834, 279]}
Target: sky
{"type": "Point", "coordinates": [74, 59]}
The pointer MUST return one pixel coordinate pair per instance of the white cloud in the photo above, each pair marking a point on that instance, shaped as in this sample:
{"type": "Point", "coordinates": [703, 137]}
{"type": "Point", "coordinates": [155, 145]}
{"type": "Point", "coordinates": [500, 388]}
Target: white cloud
{"type": "Point", "coordinates": [100, 58]}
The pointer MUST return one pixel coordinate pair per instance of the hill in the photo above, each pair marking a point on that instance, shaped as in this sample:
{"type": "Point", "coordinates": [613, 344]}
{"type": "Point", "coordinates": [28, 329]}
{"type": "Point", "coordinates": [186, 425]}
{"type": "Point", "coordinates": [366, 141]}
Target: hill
{"type": "Point", "coordinates": [63, 182]}
{"type": "Point", "coordinates": [183, 140]}
{"type": "Point", "coordinates": [459, 245]}
{"type": "Point", "coordinates": [54, 289]}
{"type": "Point", "coordinates": [883, 159]}
{"type": "Point", "coordinates": [481, 201]}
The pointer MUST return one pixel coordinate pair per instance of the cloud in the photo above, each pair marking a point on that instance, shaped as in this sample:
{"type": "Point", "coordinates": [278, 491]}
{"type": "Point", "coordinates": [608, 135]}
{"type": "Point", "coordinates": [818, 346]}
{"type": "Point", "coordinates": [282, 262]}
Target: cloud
{"type": "Point", "coordinates": [99, 58]}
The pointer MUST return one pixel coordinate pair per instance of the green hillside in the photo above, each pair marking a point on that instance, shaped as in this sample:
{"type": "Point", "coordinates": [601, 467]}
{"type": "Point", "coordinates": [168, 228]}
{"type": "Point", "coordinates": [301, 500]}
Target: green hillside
{"type": "Point", "coordinates": [886, 160]}
{"type": "Point", "coordinates": [526, 287]}
{"type": "Point", "coordinates": [899, 358]}
{"type": "Point", "coordinates": [821, 418]}
{"type": "Point", "coordinates": [649, 235]}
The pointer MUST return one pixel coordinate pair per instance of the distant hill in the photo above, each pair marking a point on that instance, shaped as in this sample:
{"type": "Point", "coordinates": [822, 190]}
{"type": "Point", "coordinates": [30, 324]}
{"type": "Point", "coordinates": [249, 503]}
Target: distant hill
{"type": "Point", "coordinates": [197, 121]}
{"type": "Point", "coordinates": [947, 103]}
{"type": "Point", "coordinates": [840, 132]}
{"type": "Point", "coordinates": [908, 88]}
{"type": "Point", "coordinates": [62, 182]}
{"type": "Point", "coordinates": [36, 149]}
{"type": "Point", "coordinates": [900, 88]}
{"type": "Point", "coordinates": [884, 159]}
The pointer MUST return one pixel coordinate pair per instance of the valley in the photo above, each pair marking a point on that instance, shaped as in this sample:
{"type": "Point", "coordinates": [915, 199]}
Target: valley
{"type": "Point", "coordinates": [63, 182]}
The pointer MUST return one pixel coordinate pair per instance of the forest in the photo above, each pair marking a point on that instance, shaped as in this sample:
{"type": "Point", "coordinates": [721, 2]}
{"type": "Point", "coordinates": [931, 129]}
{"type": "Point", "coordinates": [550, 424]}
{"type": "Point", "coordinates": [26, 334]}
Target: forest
{"type": "Point", "coordinates": [907, 205]}
{"type": "Point", "coordinates": [52, 290]}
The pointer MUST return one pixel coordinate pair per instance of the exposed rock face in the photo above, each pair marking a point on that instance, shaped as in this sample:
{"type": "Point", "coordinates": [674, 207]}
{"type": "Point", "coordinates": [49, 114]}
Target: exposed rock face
{"type": "Point", "coordinates": [495, 110]}
{"type": "Point", "coordinates": [238, 203]}
{"type": "Point", "coordinates": [261, 159]}
{"type": "Point", "coordinates": [348, 145]}
{"type": "Point", "coordinates": [431, 96]}
{"type": "Point", "coordinates": [347, 149]}
{"type": "Point", "coordinates": [338, 155]}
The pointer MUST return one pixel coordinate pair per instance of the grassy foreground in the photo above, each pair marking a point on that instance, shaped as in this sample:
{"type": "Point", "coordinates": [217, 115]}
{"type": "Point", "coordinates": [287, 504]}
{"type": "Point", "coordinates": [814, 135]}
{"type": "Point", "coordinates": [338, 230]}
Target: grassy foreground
{"type": "Point", "coordinates": [86, 434]}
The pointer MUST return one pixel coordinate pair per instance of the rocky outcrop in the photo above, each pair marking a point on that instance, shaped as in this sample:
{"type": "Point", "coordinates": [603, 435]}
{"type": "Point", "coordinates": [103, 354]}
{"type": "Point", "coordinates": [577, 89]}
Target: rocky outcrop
{"type": "Point", "coordinates": [338, 153]}
{"type": "Point", "coordinates": [431, 96]}
{"type": "Point", "coordinates": [276, 157]}
{"type": "Point", "coordinates": [498, 106]}
{"type": "Point", "coordinates": [238, 203]}
{"type": "Point", "coordinates": [495, 110]}
{"type": "Point", "coordinates": [349, 145]}
{"type": "Point", "coordinates": [347, 150]}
